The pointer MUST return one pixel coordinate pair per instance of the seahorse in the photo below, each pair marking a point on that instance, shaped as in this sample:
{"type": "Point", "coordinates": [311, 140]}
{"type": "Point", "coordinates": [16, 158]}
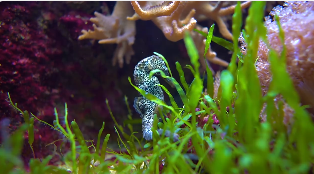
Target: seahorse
{"type": "Point", "coordinates": [143, 106]}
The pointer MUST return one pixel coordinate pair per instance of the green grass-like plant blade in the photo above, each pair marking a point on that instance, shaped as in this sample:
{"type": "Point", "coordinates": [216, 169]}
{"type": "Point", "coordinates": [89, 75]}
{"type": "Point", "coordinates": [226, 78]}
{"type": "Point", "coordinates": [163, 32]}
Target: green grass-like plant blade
{"type": "Point", "coordinates": [182, 77]}
{"type": "Point", "coordinates": [227, 86]}
{"type": "Point", "coordinates": [194, 95]}
{"type": "Point", "coordinates": [153, 98]}
{"type": "Point", "coordinates": [175, 84]}
{"type": "Point", "coordinates": [98, 138]}
{"type": "Point", "coordinates": [220, 41]}
{"type": "Point", "coordinates": [236, 28]}
{"type": "Point", "coordinates": [248, 104]}
{"type": "Point", "coordinates": [166, 62]}
{"type": "Point", "coordinates": [104, 147]}
{"type": "Point", "coordinates": [209, 73]}
{"type": "Point", "coordinates": [209, 38]}
{"type": "Point", "coordinates": [190, 68]}
{"type": "Point", "coordinates": [173, 103]}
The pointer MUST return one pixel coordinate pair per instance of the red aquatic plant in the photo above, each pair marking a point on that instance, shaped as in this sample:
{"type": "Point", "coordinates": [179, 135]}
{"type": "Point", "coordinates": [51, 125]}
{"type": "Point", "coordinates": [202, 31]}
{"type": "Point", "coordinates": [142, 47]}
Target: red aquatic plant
{"type": "Point", "coordinates": [75, 22]}
{"type": "Point", "coordinates": [27, 60]}
{"type": "Point", "coordinates": [42, 67]}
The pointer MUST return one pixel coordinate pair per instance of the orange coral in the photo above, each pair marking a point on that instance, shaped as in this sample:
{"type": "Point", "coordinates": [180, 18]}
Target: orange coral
{"type": "Point", "coordinates": [173, 18]}
{"type": "Point", "coordinates": [154, 9]}
{"type": "Point", "coordinates": [174, 27]}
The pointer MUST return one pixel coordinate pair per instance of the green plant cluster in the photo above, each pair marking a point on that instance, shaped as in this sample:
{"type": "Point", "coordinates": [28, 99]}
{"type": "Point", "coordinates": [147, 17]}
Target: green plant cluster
{"type": "Point", "coordinates": [240, 144]}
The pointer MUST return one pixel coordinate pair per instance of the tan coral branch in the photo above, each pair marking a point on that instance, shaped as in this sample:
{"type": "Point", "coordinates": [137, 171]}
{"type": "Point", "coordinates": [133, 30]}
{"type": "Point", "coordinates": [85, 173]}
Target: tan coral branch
{"type": "Point", "coordinates": [216, 13]}
{"type": "Point", "coordinates": [173, 18]}
{"type": "Point", "coordinates": [230, 10]}
{"type": "Point", "coordinates": [182, 19]}
{"type": "Point", "coordinates": [114, 29]}
{"type": "Point", "coordinates": [163, 9]}
{"type": "Point", "coordinates": [174, 28]}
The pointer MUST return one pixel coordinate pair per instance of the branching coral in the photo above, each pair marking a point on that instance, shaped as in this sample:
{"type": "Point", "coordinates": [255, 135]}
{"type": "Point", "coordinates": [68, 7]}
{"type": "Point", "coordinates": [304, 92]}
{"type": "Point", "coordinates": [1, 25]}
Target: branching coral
{"type": "Point", "coordinates": [114, 29]}
{"type": "Point", "coordinates": [174, 27]}
{"type": "Point", "coordinates": [187, 9]}
{"type": "Point", "coordinates": [297, 20]}
{"type": "Point", "coordinates": [149, 10]}
{"type": "Point", "coordinates": [172, 18]}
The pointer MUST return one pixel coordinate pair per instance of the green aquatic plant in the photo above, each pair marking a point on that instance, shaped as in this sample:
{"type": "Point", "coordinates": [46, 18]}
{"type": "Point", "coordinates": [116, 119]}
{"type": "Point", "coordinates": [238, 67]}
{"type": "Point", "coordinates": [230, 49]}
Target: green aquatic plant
{"type": "Point", "coordinates": [241, 143]}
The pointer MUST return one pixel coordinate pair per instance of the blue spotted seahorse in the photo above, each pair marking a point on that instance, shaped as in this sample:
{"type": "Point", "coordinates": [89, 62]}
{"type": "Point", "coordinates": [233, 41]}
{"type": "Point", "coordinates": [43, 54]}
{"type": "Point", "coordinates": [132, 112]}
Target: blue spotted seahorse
{"type": "Point", "coordinates": [143, 106]}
